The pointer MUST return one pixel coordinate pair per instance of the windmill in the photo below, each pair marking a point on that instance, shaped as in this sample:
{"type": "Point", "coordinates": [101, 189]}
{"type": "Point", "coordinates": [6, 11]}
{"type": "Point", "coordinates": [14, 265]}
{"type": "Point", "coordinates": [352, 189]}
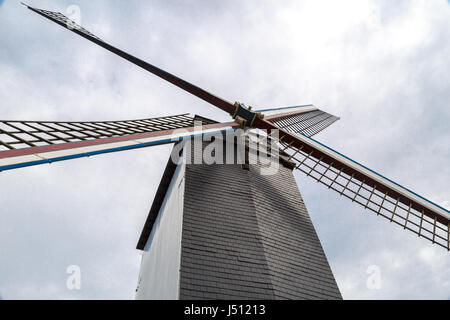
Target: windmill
{"type": "Point", "coordinates": [270, 250]}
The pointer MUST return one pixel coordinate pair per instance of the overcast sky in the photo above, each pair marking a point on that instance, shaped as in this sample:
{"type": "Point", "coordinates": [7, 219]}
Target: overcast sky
{"type": "Point", "coordinates": [382, 66]}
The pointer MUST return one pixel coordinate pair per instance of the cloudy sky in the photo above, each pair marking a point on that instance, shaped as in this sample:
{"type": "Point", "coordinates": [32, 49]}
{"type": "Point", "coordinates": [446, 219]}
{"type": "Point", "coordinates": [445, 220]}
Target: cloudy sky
{"type": "Point", "coordinates": [382, 66]}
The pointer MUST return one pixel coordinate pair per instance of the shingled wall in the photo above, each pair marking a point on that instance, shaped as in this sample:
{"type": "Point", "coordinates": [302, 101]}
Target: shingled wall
{"type": "Point", "coordinates": [249, 236]}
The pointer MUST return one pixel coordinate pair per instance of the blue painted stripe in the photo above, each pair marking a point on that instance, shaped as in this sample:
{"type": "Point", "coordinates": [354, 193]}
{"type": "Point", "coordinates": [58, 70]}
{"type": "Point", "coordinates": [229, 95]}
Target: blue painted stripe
{"type": "Point", "coordinates": [93, 153]}
{"type": "Point", "coordinates": [418, 195]}
{"type": "Point", "coordinates": [282, 108]}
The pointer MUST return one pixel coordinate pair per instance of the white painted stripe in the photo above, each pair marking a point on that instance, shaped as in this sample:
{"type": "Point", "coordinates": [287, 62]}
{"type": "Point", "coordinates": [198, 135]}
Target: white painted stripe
{"type": "Point", "coordinates": [374, 176]}
{"type": "Point", "coordinates": [287, 111]}
{"type": "Point", "coordinates": [70, 152]}
{"type": "Point", "coordinates": [19, 159]}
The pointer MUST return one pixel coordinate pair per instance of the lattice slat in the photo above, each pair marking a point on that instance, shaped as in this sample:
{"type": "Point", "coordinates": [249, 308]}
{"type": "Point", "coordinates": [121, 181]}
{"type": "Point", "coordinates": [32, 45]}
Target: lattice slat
{"type": "Point", "coordinates": [25, 134]}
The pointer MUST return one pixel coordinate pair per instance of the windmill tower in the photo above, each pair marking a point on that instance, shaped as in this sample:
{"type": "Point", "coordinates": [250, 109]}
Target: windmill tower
{"type": "Point", "coordinates": [228, 230]}
{"type": "Point", "coordinates": [235, 230]}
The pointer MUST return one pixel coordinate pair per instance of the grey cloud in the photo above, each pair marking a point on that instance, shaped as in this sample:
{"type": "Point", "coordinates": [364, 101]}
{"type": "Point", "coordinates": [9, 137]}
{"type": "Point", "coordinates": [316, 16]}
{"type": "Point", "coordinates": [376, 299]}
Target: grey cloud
{"type": "Point", "coordinates": [381, 67]}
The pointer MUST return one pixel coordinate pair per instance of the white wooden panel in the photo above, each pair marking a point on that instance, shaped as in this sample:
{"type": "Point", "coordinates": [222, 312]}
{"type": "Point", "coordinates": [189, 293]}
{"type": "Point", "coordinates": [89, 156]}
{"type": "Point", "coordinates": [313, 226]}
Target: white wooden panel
{"type": "Point", "coordinates": [159, 277]}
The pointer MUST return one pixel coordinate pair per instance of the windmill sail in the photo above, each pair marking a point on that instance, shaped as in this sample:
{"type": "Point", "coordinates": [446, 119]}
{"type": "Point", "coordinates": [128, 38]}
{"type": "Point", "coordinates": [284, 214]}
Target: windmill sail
{"type": "Point", "coordinates": [62, 20]}
{"type": "Point", "coordinates": [305, 119]}
{"type": "Point", "coordinates": [364, 186]}
{"type": "Point", "coordinates": [28, 143]}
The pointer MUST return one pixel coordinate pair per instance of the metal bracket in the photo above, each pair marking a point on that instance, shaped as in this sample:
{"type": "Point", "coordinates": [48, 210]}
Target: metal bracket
{"type": "Point", "coordinates": [244, 115]}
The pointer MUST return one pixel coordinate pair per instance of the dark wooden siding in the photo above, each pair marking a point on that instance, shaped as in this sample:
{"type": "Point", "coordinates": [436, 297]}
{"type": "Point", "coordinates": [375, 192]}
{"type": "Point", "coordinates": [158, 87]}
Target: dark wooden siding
{"type": "Point", "coordinates": [249, 236]}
